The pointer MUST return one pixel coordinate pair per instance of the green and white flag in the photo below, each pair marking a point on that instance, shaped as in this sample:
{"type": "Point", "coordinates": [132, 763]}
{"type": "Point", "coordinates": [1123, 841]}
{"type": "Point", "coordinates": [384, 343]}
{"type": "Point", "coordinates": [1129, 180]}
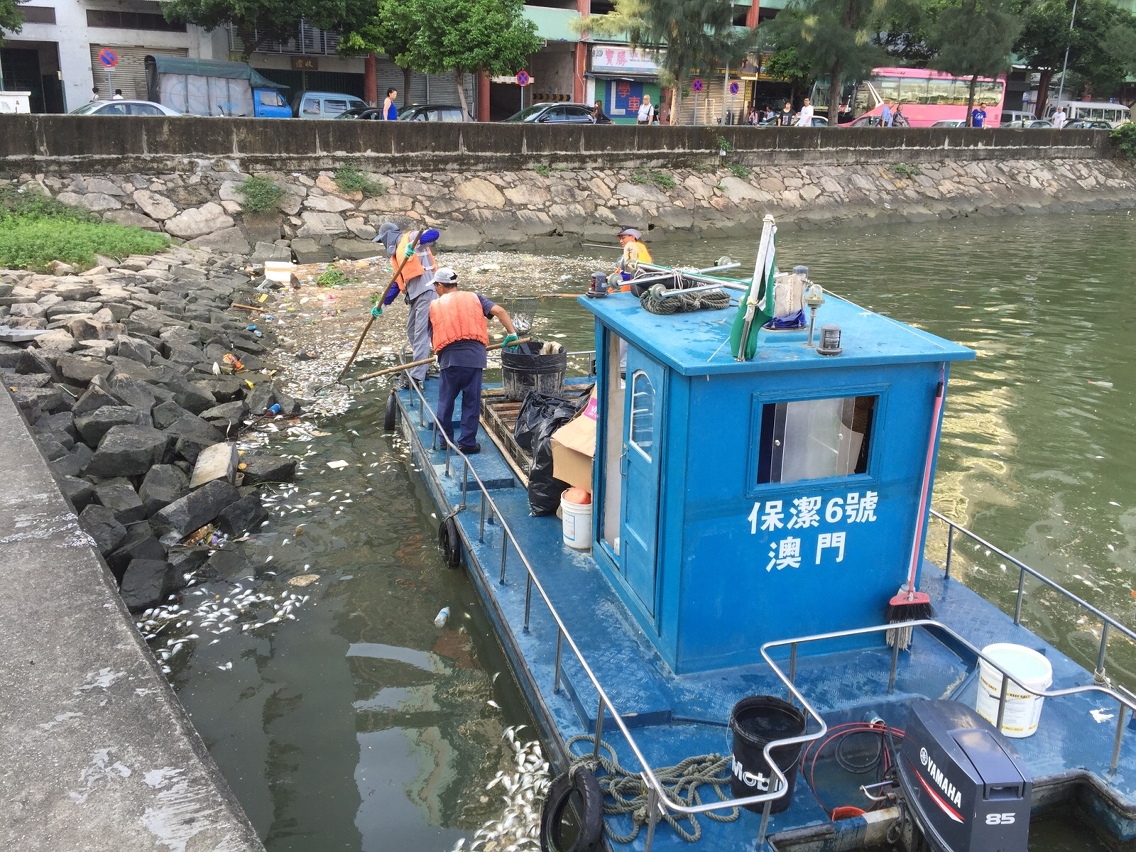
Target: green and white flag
{"type": "Point", "coordinates": [756, 307]}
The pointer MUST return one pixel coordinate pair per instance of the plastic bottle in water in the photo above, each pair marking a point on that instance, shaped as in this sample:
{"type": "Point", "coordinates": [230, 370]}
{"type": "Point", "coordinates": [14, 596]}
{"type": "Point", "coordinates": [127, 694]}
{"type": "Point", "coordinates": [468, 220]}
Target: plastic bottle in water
{"type": "Point", "coordinates": [274, 409]}
{"type": "Point", "coordinates": [442, 617]}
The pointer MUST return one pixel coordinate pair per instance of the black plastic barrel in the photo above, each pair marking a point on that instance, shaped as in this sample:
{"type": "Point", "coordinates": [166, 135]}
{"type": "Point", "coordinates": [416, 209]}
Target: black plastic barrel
{"type": "Point", "coordinates": [525, 369]}
{"type": "Point", "coordinates": [756, 722]}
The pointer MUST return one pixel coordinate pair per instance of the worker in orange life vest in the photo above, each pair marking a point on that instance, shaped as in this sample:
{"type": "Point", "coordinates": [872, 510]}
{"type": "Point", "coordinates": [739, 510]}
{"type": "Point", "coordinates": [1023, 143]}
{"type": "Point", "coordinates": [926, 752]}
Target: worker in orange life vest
{"type": "Point", "coordinates": [416, 283]}
{"type": "Point", "coordinates": [461, 337]}
{"type": "Point", "coordinates": [634, 253]}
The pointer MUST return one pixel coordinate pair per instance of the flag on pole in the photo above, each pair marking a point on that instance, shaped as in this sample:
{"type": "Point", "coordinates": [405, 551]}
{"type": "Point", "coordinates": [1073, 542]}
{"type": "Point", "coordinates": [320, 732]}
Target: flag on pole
{"type": "Point", "coordinates": [756, 307]}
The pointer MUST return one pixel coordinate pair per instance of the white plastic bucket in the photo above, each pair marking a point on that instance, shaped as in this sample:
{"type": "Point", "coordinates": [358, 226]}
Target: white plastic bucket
{"type": "Point", "coordinates": [1026, 667]}
{"type": "Point", "coordinates": [577, 519]}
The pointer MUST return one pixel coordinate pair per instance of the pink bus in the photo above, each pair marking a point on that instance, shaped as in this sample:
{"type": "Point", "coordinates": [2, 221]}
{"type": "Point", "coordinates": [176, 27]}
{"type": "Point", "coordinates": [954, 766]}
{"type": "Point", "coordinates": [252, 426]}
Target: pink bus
{"type": "Point", "coordinates": [925, 97]}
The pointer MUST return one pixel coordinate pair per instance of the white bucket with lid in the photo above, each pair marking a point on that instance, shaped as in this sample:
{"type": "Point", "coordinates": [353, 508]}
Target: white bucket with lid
{"type": "Point", "coordinates": [1026, 667]}
{"type": "Point", "coordinates": [577, 518]}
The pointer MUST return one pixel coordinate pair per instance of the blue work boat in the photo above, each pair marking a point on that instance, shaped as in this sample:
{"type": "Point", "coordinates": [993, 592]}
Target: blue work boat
{"type": "Point", "coordinates": [752, 518]}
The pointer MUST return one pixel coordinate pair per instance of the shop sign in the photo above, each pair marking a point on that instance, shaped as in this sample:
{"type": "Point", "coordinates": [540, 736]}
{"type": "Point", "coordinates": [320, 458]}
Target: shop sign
{"type": "Point", "coordinates": [623, 60]}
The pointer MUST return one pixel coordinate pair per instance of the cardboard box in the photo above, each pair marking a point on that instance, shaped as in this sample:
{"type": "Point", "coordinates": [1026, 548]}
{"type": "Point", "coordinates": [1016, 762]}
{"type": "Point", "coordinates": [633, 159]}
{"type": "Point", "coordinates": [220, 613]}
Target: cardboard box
{"type": "Point", "coordinates": [574, 448]}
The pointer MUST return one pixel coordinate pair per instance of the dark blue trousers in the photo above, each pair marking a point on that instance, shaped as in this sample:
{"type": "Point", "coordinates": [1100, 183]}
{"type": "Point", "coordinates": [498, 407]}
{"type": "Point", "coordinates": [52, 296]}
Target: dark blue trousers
{"type": "Point", "coordinates": [467, 382]}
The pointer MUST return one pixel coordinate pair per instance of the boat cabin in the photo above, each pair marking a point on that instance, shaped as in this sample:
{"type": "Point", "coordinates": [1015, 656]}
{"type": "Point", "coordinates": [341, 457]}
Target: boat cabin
{"type": "Point", "coordinates": [739, 502]}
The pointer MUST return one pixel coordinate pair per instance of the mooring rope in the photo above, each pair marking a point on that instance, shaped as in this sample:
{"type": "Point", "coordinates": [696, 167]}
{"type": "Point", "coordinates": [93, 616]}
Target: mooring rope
{"type": "Point", "coordinates": [681, 783]}
{"type": "Point", "coordinates": [713, 300]}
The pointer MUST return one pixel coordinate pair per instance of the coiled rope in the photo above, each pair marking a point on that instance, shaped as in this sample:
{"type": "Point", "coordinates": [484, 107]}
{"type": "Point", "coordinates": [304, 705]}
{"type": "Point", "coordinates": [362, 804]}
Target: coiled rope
{"type": "Point", "coordinates": [712, 300]}
{"type": "Point", "coordinates": [680, 782]}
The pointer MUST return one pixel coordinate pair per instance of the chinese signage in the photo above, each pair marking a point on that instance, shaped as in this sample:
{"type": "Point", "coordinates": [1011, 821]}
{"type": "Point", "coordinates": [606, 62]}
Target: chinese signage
{"type": "Point", "coordinates": [617, 60]}
{"type": "Point", "coordinates": [305, 63]}
{"type": "Point", "coordinates": [816, 534]}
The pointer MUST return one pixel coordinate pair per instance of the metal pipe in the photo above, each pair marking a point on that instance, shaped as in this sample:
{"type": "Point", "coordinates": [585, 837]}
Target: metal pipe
{"type": "Point", "coordinates": [1101, 651]}
{"type": "Point", "coordinates": [1021, 594]}
{"type": "Point", "coordinates": [528, 600]}
{"type": "Point", "coordinates": [481, 519]}
{"type": "Point", "coordinates": [504, 554]}
{"type": "Point", "coordinates": [793, 663]}
{"type": "Point", "coordinates": [465, 481]}
{"type": "Point", "coordinates": [950, 548]}
{"type": "Point", "coordinates": [1002, 700]}
{"type": "Point", "coordinates": [1116, 740]}
{"type": "Point", "coordinates": [559, 649]}
{"type": "Point", "coordinates": [652, 816]}
{"type": "Point", "coordinates": [894, 665]}
{"type": "Point", "coordinates": [599, 732]}
{"type": "Point", "coordinates": [764, 823]}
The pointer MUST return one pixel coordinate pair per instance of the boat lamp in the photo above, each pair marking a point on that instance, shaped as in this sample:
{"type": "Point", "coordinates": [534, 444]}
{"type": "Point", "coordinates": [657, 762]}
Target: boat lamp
{"type": "Point", "coordinates": [829, 340]}
{"type": "Point", "coordinates": [814, 298]}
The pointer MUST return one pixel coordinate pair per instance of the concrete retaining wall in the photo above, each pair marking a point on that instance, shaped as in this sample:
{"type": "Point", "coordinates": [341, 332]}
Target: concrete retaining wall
{"type": "Point", "coordinates": [81, 143]}
{"type": "Point", "coordinates": [98, 753]}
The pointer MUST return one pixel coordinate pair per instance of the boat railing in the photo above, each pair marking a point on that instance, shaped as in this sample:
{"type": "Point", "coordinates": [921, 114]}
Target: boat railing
{"type": "Point", "coordinates": [1108, 623]}
{"type": "Point", "coordinates": [657, 798]}
{"type": "Point", "coordinates": [1126, 702]}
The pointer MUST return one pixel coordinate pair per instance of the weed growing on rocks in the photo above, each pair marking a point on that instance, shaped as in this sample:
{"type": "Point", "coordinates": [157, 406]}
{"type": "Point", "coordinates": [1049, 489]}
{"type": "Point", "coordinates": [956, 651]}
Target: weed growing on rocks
{"type": "Point", "coordinates": [905, 171]}
{"type": "Point", "coordinates": [542, 170]}
{"type": "Point", "coordinates": [260, 194]}
{"type": "Point", "coordinates": [738, 170]}
{"type": "Point", "coordinates": [333, 278]}
{"type": "Point", "coordinates": [36, 230]}
{"type": "Point", "coordinates": [350, 179]}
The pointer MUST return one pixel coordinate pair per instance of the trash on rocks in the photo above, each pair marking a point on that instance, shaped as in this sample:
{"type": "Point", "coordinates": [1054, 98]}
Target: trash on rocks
{"type": "Point", "coordinates": [337, 465]}
{"type": "Point", "coordinates": [442, 617]}
{"type": "Point", "coordinates": [232, 361]}
{"type": "Point", "coordinates": [303, 580]}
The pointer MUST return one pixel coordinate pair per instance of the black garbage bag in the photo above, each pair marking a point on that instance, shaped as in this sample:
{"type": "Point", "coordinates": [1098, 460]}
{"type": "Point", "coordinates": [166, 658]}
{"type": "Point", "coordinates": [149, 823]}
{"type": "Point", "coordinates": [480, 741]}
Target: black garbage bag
{"type": "Point", "coordinates": [536, 409]}
{"type": "Point", "coordinates": [544, 488]}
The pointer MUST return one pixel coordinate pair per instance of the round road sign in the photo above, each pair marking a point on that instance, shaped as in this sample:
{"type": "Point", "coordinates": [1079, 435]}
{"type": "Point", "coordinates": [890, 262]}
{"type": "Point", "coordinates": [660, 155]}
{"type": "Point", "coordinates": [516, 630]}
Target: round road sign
{"type": "Point", "coordinates": [523, 78]}
{"type": "Point", "coordinates": [733, 88]}
{"type": "Point", "coordinates": [696, 84]}
{"type": "Point", "coordinates": [108, 57]}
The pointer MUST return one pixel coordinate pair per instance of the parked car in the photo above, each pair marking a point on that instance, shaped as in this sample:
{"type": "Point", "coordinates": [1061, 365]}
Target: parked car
{"type": "Point", "coordinates": [1031, 124]}
{"type": "Point", "coordinates": [362, 114]}
{"type": "Point", "coordinates": [555, 113]}
{"type": "Point", "coordinates": [1015, 117]}
{"type": "Point", "coordinates": [870, 120]}
{"type": "Point", "coordinates": [324, 104]}
{"type": "Point", "coordinates": [432, 112]}
{"type": "Point", "coordinates": [950, 122]}
{"type": "Point", "coordinates": [123, 107]}
{"type": "Point", "coordinates": [1087, 124]}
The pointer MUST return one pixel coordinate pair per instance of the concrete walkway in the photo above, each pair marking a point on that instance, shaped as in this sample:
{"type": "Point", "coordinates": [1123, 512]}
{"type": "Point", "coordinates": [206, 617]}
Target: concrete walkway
{"type": "Point", "coordinates": [95, 750]}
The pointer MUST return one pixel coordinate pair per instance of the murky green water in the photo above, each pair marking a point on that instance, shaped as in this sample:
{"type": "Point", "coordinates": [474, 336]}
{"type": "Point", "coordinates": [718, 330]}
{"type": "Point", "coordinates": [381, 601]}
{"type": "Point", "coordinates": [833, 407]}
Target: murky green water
{"type": "Point", "coordinates": [361, 726]}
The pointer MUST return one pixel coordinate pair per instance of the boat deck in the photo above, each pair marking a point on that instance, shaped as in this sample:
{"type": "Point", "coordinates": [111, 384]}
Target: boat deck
{"type": "Point", "coordinates": [677, 716]}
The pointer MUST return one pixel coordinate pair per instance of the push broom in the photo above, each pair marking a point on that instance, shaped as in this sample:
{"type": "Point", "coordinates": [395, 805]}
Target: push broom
{"type": "Point", "coordinates": [908, 604]}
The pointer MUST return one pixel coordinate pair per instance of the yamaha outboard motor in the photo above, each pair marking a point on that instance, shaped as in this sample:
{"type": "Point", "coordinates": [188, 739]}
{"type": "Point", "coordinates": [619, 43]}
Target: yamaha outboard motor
{"type": "Point", "coordinates": [963, 782]}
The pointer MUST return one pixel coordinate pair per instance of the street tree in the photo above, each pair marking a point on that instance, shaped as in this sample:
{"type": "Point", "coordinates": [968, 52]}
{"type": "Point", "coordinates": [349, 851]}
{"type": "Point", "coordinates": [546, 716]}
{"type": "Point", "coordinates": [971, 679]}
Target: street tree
{"type": "Point", "coordinates": [833, 38]}
{"type": "Point", "coordinates": [10, 18]}
{"type": "Point", "coordinates": [260, 21]}
{"type": "Point", "coordinates": [1099, 44]}
{"type": "Point", "coordinates": [469, 36]}
{"type": "Point", "coordinates": [687, 36]}
{"type": "Point", "coordinates": [972, 38]}
{"type": "Point", "coordinates": [785, 64]}
{"type": "Point", "coordinates": [389, 30]}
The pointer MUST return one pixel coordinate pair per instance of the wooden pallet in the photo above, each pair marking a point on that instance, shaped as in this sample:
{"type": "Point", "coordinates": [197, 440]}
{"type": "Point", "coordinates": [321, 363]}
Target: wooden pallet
{"type": "Point", "coordinates": [499, 417]}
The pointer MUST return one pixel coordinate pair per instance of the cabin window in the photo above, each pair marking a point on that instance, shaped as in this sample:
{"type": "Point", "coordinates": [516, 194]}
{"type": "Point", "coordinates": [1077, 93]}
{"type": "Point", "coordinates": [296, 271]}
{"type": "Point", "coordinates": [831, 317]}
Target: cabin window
{"type": "Point", "coordinates": [815, 438]}
{"type": "Point", "coordinates": [642, 413]}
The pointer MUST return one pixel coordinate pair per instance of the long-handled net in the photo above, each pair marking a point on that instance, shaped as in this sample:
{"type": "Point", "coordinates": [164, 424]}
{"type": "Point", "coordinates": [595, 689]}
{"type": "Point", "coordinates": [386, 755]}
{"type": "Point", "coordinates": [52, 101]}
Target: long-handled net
{"type": "Point", "coordinates": [522, 310]}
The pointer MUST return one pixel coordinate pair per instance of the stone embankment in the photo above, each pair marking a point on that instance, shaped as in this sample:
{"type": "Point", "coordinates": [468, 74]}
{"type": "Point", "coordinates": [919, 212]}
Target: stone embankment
{"type": "Point", "coordinates": [545, 206]}
{"type": "Point", "coordinates": [132, 392]}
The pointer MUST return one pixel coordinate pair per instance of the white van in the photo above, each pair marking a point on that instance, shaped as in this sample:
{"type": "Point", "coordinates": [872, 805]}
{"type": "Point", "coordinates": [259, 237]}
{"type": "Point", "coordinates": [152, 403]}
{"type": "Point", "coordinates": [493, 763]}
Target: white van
{"type": "Point", "coordinates": [1114, 114]}
{"type": "Point", "coordinates": [1013, 116]}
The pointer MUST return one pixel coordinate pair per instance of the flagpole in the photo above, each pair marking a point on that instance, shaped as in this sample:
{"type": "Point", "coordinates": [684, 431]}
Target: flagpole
{"type": "Point", "coordinates": [751, 296]}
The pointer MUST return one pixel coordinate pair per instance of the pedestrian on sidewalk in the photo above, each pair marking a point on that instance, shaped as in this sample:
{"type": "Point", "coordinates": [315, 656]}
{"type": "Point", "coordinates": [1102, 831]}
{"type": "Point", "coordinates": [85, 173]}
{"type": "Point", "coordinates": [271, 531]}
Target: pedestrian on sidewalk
{"type": "Point", "coordinates": [461, 339]}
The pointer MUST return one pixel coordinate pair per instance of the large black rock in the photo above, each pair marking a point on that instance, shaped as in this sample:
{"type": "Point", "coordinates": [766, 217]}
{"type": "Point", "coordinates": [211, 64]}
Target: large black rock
{"type": "Point", "coordinates": [119, 496]}
{"type": "Point", "coordinates": [260, 469]}
{"type": "Point", "coordinates": [93, 398]}
{"type": "Point", "coordinates": [130, 451]}
{"type": "Point", "coordinates": [195, 509]}
{"type": "Point", "coordinates": [163, 484]}
{"type": "Point", "coordinates": [92, 427]}
{"type": "Point", "coordinates": [167, 413]}
{"type": "Point", "coordinates": [140, 546]}
{"type": "Point", "coordinates": [243, 516]}
{"type": "Point", "coordinates": [74, 462]}
{"type": "Point", "coordinates": [101, 525]}
{"type": "Point", "coordinates": [192, 435]}
{"type": "Point", "coordinates": [147, 583]}
{"type": "Point", "coordinates": [80, 492]}
{"type": "Point", "coordinates": [133, 392]}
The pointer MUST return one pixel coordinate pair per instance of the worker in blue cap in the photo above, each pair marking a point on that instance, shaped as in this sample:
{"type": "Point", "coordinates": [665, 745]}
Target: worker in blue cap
{"type": "Point", "coordinates": [416, 282]}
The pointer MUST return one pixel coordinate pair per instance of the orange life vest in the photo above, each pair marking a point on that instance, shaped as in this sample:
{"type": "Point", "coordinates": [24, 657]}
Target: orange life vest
{"type": "Point", "coordinates": [458, 316]}
{"type": "Point", "coordinates": [634, 251]}
{"type": "Point", "coordinates": [413, 266]}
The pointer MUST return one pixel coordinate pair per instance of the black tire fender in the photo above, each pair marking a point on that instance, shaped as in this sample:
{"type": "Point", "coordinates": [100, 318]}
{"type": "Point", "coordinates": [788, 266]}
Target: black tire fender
{"type": "Point", "coordinates": [581, 780]}
{"type": "Point", "coordinates": [450, 542]}
{"type": "Point", "coordinates": [391, 414]}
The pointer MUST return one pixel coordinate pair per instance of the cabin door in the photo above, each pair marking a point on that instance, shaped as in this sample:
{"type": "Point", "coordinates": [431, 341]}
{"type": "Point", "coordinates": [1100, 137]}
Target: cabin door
{"type": "Point", "coordinates": [641, 463]}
